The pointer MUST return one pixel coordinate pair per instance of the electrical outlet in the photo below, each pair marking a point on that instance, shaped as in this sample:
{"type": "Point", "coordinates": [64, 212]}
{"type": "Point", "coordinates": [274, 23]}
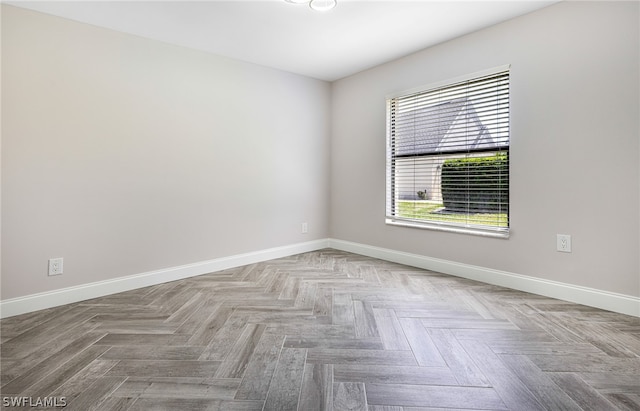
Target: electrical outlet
{"type": "Point", "coordinates": [55, 266]}
{"type": "Point", "coordinates": [305, 228]}
{"type": "Point", "coordinates": [563, 243]}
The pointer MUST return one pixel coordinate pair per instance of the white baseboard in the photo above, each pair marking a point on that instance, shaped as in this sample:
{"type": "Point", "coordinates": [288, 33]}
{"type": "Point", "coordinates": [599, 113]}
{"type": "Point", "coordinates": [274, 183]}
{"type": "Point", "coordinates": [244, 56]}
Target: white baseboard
{"type": "Point", "coordinates": [605, 300]}
{"type": "Point", "coordinates": [40, 301]}
{"type": "Point", "coordinates": [619, 303]}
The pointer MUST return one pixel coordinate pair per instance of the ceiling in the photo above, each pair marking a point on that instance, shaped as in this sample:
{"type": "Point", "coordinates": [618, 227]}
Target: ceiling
{"type": "Point", "coordinates": [354, 36]}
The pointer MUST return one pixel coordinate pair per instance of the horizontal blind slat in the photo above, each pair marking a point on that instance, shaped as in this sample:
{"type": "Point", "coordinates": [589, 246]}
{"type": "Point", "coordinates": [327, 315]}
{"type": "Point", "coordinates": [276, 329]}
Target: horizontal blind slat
{"type": "Point", "coordinates": [470, 120]}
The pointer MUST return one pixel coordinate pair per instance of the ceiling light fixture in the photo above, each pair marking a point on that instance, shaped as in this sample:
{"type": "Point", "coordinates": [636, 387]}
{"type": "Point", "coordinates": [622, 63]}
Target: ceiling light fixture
{"type": "Point", "coordinates": [317, 5]}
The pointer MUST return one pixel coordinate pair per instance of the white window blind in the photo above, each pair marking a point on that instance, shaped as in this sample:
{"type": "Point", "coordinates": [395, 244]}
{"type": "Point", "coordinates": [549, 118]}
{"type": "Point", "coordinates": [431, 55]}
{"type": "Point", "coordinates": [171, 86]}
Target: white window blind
{"type": "Point", "coordinates": [448, 155]}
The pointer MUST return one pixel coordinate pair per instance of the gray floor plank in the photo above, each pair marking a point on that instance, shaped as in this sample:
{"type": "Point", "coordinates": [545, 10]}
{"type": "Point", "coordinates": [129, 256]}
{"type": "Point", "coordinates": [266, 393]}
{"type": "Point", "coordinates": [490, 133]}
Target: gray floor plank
{"type": "Point", "coordinates": [210, 388]}
{"type": "Point", "coordinates": [194, 404]}
{"type": "Point", "coordinates": [317, 388]}
{"type": "Point", "coordinates": [349, 396]}
{"type": "Point", "coordinates": [350, 356]}
{"type": "Point", "coordinates": [582, 393]}
{"type": "Point", "coordinates": [50, 364]}
{"type": "Point", "coordinates": [433, 396]}
{"type": "Point", "coordinates": [324, 330]}
{"type": "Point", "coordinates": [539, 383]}
{"type": "Point", "coordinates": [422, 345]}
{"type": "Point", "coordinates": [82, 380]}
{"type": "Point", "coordinates": [204, 335]}
{"type": "Point", "coordinates": [365, 321]}
{"type": "Point", "coordinates": [513, 392]}
{"type": "Point", "coordinates": [143, 339]}
{"type": "Point", "coordinates": [165, 368]}
{"type": "Point", "coordinates": [152, 352]}
{"type": "Point", "coordinates": [224, 339]}
{"type": "Point", "coordinates": [260, 368]}
{"type": "Point", "coordinates": [284, 390]}
{"type": "Point", "coordinates": [459, 361]}
{"type": "Point", "coordinates": [391, 332]}
{"type": "Point", "coordinates": [323, 302]}
{"type": "Point", "coordinates": [393, 374]}
{"type": "Point", "coordinates": [371, 343]}
{"type": "Point", "coordinates": [60, 375]}
{"type": "Point", "coordinates": [93, 397]}
{"type": "Point", "coordinates": [236, 361]}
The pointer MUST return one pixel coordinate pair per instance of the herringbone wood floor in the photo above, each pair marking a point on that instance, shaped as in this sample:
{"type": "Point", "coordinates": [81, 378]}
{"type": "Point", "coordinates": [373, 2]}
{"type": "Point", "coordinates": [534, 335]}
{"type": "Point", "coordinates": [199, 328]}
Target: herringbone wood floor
{"type": "Point", "coordinates": [324, 330]}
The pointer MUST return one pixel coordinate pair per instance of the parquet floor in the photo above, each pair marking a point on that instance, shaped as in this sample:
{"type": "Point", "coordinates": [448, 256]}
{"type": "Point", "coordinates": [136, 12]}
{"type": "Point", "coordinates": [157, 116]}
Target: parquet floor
{"type": "Point", "coordinates": [325, 330]}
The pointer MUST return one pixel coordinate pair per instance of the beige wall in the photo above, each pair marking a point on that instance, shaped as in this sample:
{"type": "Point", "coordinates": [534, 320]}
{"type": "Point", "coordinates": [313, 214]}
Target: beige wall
{"type": "Point", "coordinates": [575, 151]}
{"type": "Point", "coordinates": [125, 155]}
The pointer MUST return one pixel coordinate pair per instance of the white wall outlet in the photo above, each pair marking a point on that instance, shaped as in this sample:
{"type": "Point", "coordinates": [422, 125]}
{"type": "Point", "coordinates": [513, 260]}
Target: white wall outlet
{"type": "Point", "coordinates": [55, 266]}
{"type": "Point", "coordinates": [305, 228]}
{"type": "Point", "coordinates": [563, 243]}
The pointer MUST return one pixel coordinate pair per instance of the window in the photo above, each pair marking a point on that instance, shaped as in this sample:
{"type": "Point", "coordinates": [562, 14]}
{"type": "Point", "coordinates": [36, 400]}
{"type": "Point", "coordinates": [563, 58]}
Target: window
{"type": "Point", "coordinates": [448, 155]}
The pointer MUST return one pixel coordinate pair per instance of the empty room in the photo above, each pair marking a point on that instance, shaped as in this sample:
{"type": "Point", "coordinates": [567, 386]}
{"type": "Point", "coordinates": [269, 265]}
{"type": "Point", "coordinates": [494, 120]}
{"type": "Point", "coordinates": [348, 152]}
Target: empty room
{"type": "Point", "coordinates": [320, 205]}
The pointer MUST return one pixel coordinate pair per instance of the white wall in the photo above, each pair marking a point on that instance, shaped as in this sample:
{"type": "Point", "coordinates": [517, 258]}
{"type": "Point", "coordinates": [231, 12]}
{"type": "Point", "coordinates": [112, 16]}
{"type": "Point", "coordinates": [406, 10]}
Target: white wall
{"type": "Point", "coordinates": [125, 155]}
{"type": "Point", "coordinates": [575, 150]}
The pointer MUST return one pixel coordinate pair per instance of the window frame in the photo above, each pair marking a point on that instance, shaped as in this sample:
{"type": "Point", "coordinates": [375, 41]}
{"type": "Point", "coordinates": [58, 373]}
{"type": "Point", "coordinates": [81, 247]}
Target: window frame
{"type": "Point", "coordinates": [390, 196]}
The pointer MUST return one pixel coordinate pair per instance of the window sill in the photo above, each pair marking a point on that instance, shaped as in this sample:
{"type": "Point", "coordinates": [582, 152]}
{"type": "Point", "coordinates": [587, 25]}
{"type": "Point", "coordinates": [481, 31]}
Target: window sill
{"type": "Point", "coordinates": [449, 228]}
